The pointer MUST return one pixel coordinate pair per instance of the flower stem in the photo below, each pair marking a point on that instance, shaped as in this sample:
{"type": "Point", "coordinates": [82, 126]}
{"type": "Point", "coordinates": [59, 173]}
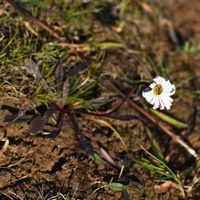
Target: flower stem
{"type": "Point", "coordinates": [126, 98]}
{"type": "Point", "coordinates": [31, 18]}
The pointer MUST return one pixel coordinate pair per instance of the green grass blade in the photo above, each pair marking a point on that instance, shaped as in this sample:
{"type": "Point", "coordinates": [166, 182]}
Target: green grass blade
{"type": "Point", "coordinates": [117, 186]}
{"type": "Point", "coordinates": [169, 120]}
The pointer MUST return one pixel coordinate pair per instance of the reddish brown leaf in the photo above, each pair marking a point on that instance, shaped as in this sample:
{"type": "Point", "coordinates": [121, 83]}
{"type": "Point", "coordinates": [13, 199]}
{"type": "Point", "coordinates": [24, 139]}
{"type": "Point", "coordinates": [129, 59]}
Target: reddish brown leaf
{"type": "Point", "coordinates": [77, 69]}
{"type": "Point", "coordinates": [59, 75]}
{"type": "Point", "coordinates": [124, 117]}
{"type": "Point", "coordinates": [17, 119]}
{"type": "Point", "coordinates": [37, 125]}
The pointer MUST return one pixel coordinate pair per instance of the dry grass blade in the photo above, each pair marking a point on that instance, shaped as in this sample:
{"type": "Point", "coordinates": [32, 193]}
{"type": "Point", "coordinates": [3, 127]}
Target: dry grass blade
{"type": "Point", "coordinates": [5, 146]}
{"type": "Point", "coordinates": [145, 6]}
{"type": "Point", "coordinates": [107, 157]}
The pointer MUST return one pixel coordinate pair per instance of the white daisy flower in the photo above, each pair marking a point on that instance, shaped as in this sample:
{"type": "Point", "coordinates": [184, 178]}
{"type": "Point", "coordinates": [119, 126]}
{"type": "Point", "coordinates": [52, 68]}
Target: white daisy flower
{"type": "Point", "coordinates": [158, 93]}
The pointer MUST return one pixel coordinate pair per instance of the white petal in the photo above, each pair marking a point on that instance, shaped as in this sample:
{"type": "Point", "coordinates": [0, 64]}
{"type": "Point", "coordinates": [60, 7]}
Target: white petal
{"type": "Point", "coordinates": [152, 85]}
{"type": "Point", "coordinates": [167, 101]}
{"type": "Point", "coordinates": [162, 104]}
{"type": "Point", "coordinates": [158, 79]}
{"type": "Point", "coordinates": [173, 91]}
{"type": "Point", "coordinates": [166, 97]}
{"type": "Point", "coordinates": [156, 103]}
{"type": "Point", "coordinates": [167, 104]}
{"type": "Point", "coordinates": [152, 100]}
{"type": "Point", "coordinates": [147, 94]}
{"type": "Point", "coordinates": [169, 89]}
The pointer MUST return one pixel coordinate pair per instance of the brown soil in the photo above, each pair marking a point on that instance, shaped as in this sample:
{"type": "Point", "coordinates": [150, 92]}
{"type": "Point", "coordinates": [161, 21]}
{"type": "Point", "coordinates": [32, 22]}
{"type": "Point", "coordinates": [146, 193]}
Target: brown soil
{"type": "Point", "coordinates": [35, 165]}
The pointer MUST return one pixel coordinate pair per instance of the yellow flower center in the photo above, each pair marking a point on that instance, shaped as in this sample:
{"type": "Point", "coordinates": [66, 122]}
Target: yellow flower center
{"type": "Point", "coordinates": [157, 90]}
